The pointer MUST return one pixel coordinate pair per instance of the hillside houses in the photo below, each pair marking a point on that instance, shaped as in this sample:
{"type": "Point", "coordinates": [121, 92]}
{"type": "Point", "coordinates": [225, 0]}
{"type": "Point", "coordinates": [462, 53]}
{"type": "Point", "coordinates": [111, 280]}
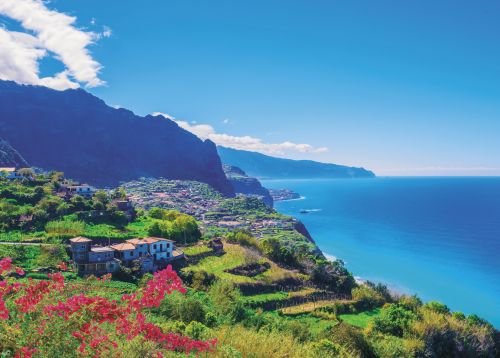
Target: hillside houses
{"type": "Point", "coordinates": [151, 253]}
{"type": "Point", "coordinates": [11, 173]}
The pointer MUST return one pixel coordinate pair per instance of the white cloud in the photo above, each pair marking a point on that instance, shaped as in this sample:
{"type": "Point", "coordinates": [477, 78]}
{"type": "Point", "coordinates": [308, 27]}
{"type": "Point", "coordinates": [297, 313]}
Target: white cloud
{"type": "Point", "coordinates": [205, 131]}
{"type": "Point", "coordinates": [50, 33]}
{"type": "Point", "coordinates": [106, 31]}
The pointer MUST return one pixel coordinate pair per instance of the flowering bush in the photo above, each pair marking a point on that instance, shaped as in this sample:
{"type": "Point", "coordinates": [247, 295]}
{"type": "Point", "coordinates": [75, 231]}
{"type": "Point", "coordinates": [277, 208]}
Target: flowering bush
{"type": "Point", "coordinates": [53, 318]}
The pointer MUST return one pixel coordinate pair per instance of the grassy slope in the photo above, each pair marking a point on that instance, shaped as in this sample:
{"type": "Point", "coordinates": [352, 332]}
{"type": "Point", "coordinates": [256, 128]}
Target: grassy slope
{"type": "Point", "coordinates": [360, 320]}
{"type": "Point", "coordinates": [234, 257]}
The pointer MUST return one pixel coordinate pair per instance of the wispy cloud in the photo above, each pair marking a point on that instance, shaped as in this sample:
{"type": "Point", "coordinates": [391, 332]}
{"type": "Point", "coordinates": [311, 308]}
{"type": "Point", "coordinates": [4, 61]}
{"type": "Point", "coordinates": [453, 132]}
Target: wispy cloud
{"type": "Point", "coordinates": [48, 32]}
{"type": "Point", "coordinates": [205, 131]}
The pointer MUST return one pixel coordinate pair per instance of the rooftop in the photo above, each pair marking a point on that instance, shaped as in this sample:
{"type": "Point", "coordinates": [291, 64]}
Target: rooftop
{"type": "Point", "coordinates": [10, 170]}
{"type": "Point", "coordinates": [162, 239]}
{"type": "Point", "coordinates": [150, 240]}
{"type": "Point", "coordinates": [123, 247]}
{"type": "Point", "coordinates": [79, 239]}
{"type": "Point", "coordinates": [136, 241]}
{"type": "Point", "coordinates": [101, 249]}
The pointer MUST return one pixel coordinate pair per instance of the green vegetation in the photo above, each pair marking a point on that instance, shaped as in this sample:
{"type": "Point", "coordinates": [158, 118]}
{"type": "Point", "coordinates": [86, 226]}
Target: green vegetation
{"type": "Point", "coordinates": [174, 225]}
{"type": "Point", "coordinates": [197, 250]}
{"type": "Point", "coordinates": [269, 293]}
{"type": "Point", "coordinates": [360, 319]}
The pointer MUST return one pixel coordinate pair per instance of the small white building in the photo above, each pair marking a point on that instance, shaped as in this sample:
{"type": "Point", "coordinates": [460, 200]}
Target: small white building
{"type": "Point", "coordinates": [10, 173]}
{"type": "Point", "coordinates": [160, 248]}
{"type": "Point", "coordinates": [83, 190]}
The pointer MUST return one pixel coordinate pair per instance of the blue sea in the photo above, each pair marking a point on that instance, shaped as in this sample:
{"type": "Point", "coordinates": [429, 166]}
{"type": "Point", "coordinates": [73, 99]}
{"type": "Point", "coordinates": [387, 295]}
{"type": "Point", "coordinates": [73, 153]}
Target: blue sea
{"type": "Point", "coordinates": [436, 237]}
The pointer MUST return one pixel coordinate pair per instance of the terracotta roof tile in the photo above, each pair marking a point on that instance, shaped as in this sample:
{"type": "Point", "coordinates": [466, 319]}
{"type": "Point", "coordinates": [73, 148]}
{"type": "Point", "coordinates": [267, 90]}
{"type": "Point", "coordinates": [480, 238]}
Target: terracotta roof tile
{"type": "Point", "coordinates": [79, 239]}
{"type": "Point", "coordinates": [123, 247]}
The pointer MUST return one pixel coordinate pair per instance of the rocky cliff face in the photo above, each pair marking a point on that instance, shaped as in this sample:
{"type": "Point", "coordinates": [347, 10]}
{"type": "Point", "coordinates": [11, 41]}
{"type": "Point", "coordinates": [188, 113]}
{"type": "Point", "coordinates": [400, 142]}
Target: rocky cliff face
{"type": "Point", "coordinates": [243, 184]}
{"type": "Point", "coordinates": [9, 157]}
{"type": "Point", "coordinates": [77, 133]}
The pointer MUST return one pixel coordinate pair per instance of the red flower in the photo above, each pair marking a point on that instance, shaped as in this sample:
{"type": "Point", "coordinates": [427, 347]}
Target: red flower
{"type": "Point", "coordinates": [5, 264]}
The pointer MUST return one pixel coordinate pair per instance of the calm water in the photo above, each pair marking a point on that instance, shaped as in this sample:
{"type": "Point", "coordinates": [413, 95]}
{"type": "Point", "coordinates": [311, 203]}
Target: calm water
{"type": "Point", "coordinates": [437, 237]}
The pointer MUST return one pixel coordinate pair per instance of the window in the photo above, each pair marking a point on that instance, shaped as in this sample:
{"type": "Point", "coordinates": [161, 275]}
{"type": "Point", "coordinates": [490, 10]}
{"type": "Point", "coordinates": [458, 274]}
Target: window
{"type": "Point", "coordinates": [154, 246]}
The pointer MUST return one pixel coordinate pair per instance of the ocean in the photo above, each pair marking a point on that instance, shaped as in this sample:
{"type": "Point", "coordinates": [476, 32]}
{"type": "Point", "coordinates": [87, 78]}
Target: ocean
{"type": "Point", "coordinates": [436, 237]}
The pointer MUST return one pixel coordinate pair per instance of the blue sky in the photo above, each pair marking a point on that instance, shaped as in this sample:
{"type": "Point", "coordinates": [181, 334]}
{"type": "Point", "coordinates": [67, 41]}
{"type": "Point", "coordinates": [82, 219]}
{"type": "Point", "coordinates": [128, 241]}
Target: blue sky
{"type": "Point", "coordinates": [402, 88]}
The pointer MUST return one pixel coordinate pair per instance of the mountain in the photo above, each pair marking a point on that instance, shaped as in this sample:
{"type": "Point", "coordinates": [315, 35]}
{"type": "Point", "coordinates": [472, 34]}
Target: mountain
{"type": "Point", "coordinates": [9, 157]}
{"type": "Point", "coordinates": [264, 166]}
{"type": "Point", "coordinates": [243, 184]}
{"type": "Point", "coordinates": [77, 133]}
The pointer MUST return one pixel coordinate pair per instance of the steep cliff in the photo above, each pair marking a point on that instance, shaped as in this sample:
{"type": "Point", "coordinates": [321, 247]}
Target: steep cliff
{"type": "Point", "coordinates": [77, 133]}
{"type": "Point", "coordinates": [243, 184]}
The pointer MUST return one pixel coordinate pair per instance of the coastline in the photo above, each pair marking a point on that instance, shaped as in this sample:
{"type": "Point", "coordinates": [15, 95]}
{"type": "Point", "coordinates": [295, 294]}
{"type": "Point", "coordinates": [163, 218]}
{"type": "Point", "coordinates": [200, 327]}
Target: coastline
{"type": "Point", "coordinates": [368, 225]}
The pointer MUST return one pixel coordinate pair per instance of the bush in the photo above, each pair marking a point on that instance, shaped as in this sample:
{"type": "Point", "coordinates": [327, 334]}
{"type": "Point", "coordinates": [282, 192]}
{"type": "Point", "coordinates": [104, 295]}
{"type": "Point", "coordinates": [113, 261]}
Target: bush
{"type": "Point", "coordinates": [367, 298]}
{"type": "Point", "coordinates": [198, 331]}
{"type": "Point", "coordinates": [190, 309]}
{"type": "Point", "coordinates": [326, 348]}
{"type": "Point", "coordinates": [202, 280]}
{"type": "Point", "coordinates": [437, 307]}
{"type": "Point", "coordinates": [242, 238]}
{"type": "Point", "coordinates": [226, 299]}
{"type": "Point", "coordinates": [393, 319]}
{"type": "Point", "coordinates": [52, 255]}
{"type": "Point", "coordinates": [353, 341]}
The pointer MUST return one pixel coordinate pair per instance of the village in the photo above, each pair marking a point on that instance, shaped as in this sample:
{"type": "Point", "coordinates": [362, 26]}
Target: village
{"type": "Point", "coordinates": [214, 212]}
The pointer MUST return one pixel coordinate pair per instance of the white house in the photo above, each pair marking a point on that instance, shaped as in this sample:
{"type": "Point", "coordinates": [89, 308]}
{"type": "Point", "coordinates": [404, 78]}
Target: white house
{"type": "Point", "coordinates": [83, 190]}
{"type": "Point", "coordinates": [160, 248]}
{"type": "Point", "coordinates": [10, 173]}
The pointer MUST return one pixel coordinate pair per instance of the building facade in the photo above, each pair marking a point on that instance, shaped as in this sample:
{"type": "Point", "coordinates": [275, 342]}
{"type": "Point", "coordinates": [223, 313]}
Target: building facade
{"type": "Point", "coordinates": [150, 252]}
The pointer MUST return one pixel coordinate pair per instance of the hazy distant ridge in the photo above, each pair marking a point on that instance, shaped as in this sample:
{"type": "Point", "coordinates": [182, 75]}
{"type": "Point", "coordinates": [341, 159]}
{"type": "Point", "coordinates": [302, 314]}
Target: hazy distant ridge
{"type": "Point", "coordinates": [264, 166]}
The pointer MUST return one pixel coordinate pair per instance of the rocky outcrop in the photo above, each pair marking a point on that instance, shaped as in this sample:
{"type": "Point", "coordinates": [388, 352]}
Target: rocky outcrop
{"type": "Point", "coordinates": [9, 157]}
{"type": "Point", "coordinates": [77, 133]}
{"type": "Point", "coordinates": [243, 184]}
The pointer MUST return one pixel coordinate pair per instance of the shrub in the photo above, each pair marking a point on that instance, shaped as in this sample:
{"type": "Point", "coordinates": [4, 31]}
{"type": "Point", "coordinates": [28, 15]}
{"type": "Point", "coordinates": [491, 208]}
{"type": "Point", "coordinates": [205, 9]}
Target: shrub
{"type": "Point", "coordinates": [437, 307]}
{"type": "Point", "coordinates": [226, 299]}
{"type": "Point", "coordinates": [52, 255]}
{"type": "Point", "coordinates": [367, 298]}
{"type": "Point", "coordinates": [197, 330]}
{"type": "Point", "coordinates": [393, 319]}
{"type": "Point", "coordinates": [353, 341]}
{"type": "Point", "coordinates": [190, 309]}
{"type": "Point", "coordinates": [326, 348]}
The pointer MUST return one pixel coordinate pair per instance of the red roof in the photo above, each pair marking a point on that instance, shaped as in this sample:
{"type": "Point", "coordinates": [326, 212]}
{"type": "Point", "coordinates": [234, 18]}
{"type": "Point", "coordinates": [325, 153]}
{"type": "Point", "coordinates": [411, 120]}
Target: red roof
{"type": "Point", "coordinates": [150, 240]}
{"type": "Point", "coordinates": [123, 247]}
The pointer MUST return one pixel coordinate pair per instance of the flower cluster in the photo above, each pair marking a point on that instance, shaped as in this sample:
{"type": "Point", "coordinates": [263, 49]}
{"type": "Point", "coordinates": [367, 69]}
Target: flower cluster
{"type": "Point", "coordinates": [6, 287]}
{"type": "Point", "coordinates": [163, 283]}
{"type": "Point", "coordinates": [92, 325]}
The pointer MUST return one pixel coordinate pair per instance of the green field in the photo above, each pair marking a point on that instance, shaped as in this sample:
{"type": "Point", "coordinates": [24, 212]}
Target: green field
{"type": "Point", "coordinates": [360, 319]}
